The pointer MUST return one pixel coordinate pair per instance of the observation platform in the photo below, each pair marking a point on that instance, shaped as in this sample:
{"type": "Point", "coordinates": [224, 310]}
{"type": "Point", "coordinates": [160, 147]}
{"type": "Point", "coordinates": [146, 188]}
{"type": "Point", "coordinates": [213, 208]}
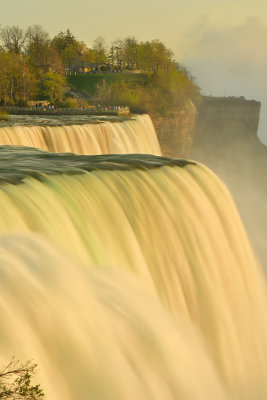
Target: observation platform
{"type": "Point", "coordinates": [119, 111]}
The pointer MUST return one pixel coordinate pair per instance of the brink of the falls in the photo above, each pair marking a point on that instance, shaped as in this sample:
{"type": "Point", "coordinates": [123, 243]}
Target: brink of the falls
{"type": "Point", "coordinates": [128, 277]}
{"type": "Point", "coordinates": [134, 135]}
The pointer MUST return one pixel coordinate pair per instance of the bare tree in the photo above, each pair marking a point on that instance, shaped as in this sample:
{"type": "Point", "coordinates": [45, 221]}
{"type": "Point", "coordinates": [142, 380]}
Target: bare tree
{"type": "Point", "coordinates": [36, 36]}
{"type": "Point", "coordinates": [13, 39]}
{"type": "Point", "coordinates": [99, 47]}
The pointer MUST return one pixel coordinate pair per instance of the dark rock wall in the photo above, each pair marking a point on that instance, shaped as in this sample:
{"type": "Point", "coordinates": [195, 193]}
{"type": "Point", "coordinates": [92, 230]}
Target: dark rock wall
{"type": "Point", "coordinates": [175, 133]}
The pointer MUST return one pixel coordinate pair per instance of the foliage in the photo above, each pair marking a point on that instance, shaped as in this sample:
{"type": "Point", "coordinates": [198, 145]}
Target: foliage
{"type": "Point", "coordinates": [15, 382]}
{"type": "Point", "coordinates": [17, 83]}
{"type": "Point", "coordinates": [32, 67]}
{"type": "Point", "coordinates": [158, 93]}
{"type": "Point", "coordinates": [71, 102]}
{"type": "Point", "coordinates": [74, 53]}
{"type": "Point", "coordinates": [4, 116]}
{"type": "Point", "coordinates": [53, 87]}
{"type": "Point", "coordinates": [40, 54]}
{"type": "Point", "coordinates": [128, 54]}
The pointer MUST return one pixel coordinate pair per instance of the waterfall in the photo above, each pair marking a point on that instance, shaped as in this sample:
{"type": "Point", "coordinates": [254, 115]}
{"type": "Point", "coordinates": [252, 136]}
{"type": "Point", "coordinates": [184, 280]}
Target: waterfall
{"type": "Point", "coordinates": [136, 135]}
{"type": "Point", "coordinates": [128, 277]}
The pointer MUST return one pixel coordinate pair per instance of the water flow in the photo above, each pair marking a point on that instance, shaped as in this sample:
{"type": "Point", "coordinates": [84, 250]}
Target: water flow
{"type": "Point", "coordinates": [95, 333]}
{"type": "Point", "coordinates": [135, 135]}
{"type": "Point", "coordinates": [177, 230]}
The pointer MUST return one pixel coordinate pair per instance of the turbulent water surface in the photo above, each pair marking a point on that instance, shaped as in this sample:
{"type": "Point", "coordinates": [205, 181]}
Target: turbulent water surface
{"type": "Point", "coordinates": [128, 277]}
{"type": "Point", "coordinates": [17, 163]}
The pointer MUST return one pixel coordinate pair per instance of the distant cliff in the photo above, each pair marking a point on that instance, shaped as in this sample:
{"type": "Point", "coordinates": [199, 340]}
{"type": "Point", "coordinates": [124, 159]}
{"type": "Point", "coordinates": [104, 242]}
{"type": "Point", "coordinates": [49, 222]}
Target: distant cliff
{"type": "Point", "coordinates": [226, 136]}
{"type": "Point", "coordinates": [219, 126]}
{"type": "Point", "coordinates": [226, 141]}
{"type": "Point", "coordinates": [224, 123]}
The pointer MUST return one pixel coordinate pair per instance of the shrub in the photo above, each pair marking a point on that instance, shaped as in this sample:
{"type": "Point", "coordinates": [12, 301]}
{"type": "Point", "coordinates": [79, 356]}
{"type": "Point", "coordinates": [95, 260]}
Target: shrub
{"type": "Point", "coordinates": [4, 116]}
{"type": "Point", "coordinates": [15, 381]}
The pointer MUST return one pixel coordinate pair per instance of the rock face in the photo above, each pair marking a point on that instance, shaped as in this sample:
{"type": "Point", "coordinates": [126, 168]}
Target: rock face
{"type": "Point", "coordinates": [175, 133]}
{"type": "Point", "coordinates": [226, 122]}
{"type": "Point", "coordinates": [226, 136]}
{"type": "Point", "coordinates": [226, 140]}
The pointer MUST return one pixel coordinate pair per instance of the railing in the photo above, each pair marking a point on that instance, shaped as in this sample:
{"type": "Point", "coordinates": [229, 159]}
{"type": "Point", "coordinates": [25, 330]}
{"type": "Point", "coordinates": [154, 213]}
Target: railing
{"type": "Point", "coordinates": [104, 72]}
{"type": "Point", "coordinates": [94, 110]}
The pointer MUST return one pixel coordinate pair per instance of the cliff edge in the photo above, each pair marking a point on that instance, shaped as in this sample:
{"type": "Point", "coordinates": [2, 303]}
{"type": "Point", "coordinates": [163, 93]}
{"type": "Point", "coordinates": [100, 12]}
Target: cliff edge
{"type": "Point", "coordinates": [226, 141]}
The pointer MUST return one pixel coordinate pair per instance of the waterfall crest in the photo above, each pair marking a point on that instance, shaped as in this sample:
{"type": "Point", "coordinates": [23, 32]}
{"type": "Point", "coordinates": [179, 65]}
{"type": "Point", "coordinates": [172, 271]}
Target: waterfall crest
{"type": "Point", "coordinates": [191, 257]}
{"type": "Point", "coordinates": [136, 135]}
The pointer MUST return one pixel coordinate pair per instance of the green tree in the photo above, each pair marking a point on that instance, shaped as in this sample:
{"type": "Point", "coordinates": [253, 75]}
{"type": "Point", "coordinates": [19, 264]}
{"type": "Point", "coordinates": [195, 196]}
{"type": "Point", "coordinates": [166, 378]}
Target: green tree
{"type": "Point", "coordinates": [17, 83]}
{"type": "Point", "coordinates": [63, 40]}
{"type": "Point", "coordinates": [130, 50]}
{"type": "Point", "coordinates": [71, 51]}
{"type": "Point", "coordinates": [15, 382]}
{"type": "Point", "coordinates": [88, 56]}
{"type": "Point", "coordinates": [117, 55]}
{"type": "Point", "coordinates": [53, 87]}
{"type": "Point", "coordinates": [71, 57]}
{"type": "Point", "coordinates": [154, 56]}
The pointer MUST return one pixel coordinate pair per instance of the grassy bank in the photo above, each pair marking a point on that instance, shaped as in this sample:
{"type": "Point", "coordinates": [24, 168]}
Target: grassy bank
{"type": "Point", "coordinates": [89, 82]}
{"type": "Point", "coordinates": [162, 93]}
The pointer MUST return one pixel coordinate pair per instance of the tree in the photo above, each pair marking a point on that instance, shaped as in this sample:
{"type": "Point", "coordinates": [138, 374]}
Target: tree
{"type": "Point", "coordinates": [131, 53]}
{"type": "Point", "coordinates": [13, 38]}
{"type": "Point", "coordinates": [70, 50]}
{"type": "Point", "coordinates": [155, 56]}
{"type": "Point", "coordinates": [41, 56]}
{"type": "Point", "coordinates": [117, 54]}
{"type": "Point", "coordinates": [70, 57]}
{"type": "Point", "coordinates": [54, 87]}
{"type": "Point", "coordinates": [44, 58]}
{"type": "Point", "coordinates": [63, 40]}
{"type": "Point", "coordinates": [5, 62]}
{"type": "Point", "coordinates": [99, 47]}
{"type": "Point", "coordinates": [88, 56]}
{"type": "Point", "coordinates": [36, 36]}
{"type": "Point", "coordinates": [15, 382]}
{"type": "Point", "coordinates": [17, 83]}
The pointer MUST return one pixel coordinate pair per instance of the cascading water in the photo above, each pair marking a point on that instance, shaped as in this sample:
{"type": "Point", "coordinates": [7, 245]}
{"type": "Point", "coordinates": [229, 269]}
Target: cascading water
{"type": "Point", "coordinates": [135, 135]}
{"type": "Point", "coordinates": [95, 333]}
{"type": "Point", "coordinates": [127, 277]}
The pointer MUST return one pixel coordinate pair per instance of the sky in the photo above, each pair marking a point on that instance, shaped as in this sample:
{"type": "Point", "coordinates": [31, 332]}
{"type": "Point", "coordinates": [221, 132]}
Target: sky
{"type": "Point", "coordinates": [224, 43]}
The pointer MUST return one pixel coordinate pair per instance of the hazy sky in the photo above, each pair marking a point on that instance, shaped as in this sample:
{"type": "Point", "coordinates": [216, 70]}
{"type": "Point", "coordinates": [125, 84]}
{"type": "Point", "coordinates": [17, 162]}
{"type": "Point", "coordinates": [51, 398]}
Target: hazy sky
{"type": "Point", "coordinates": [223, 42]}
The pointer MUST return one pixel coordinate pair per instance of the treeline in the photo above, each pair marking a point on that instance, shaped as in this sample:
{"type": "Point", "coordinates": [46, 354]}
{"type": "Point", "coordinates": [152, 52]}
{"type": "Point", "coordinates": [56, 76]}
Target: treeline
{"type": "Point", "coordinates": [168, 86]}
{"type": "Point", "coordinates": [160, 92]}
{"type": "Point", "coordinates": [147, 56]}
{"type": "Point", "coordinates": [34, 66]}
